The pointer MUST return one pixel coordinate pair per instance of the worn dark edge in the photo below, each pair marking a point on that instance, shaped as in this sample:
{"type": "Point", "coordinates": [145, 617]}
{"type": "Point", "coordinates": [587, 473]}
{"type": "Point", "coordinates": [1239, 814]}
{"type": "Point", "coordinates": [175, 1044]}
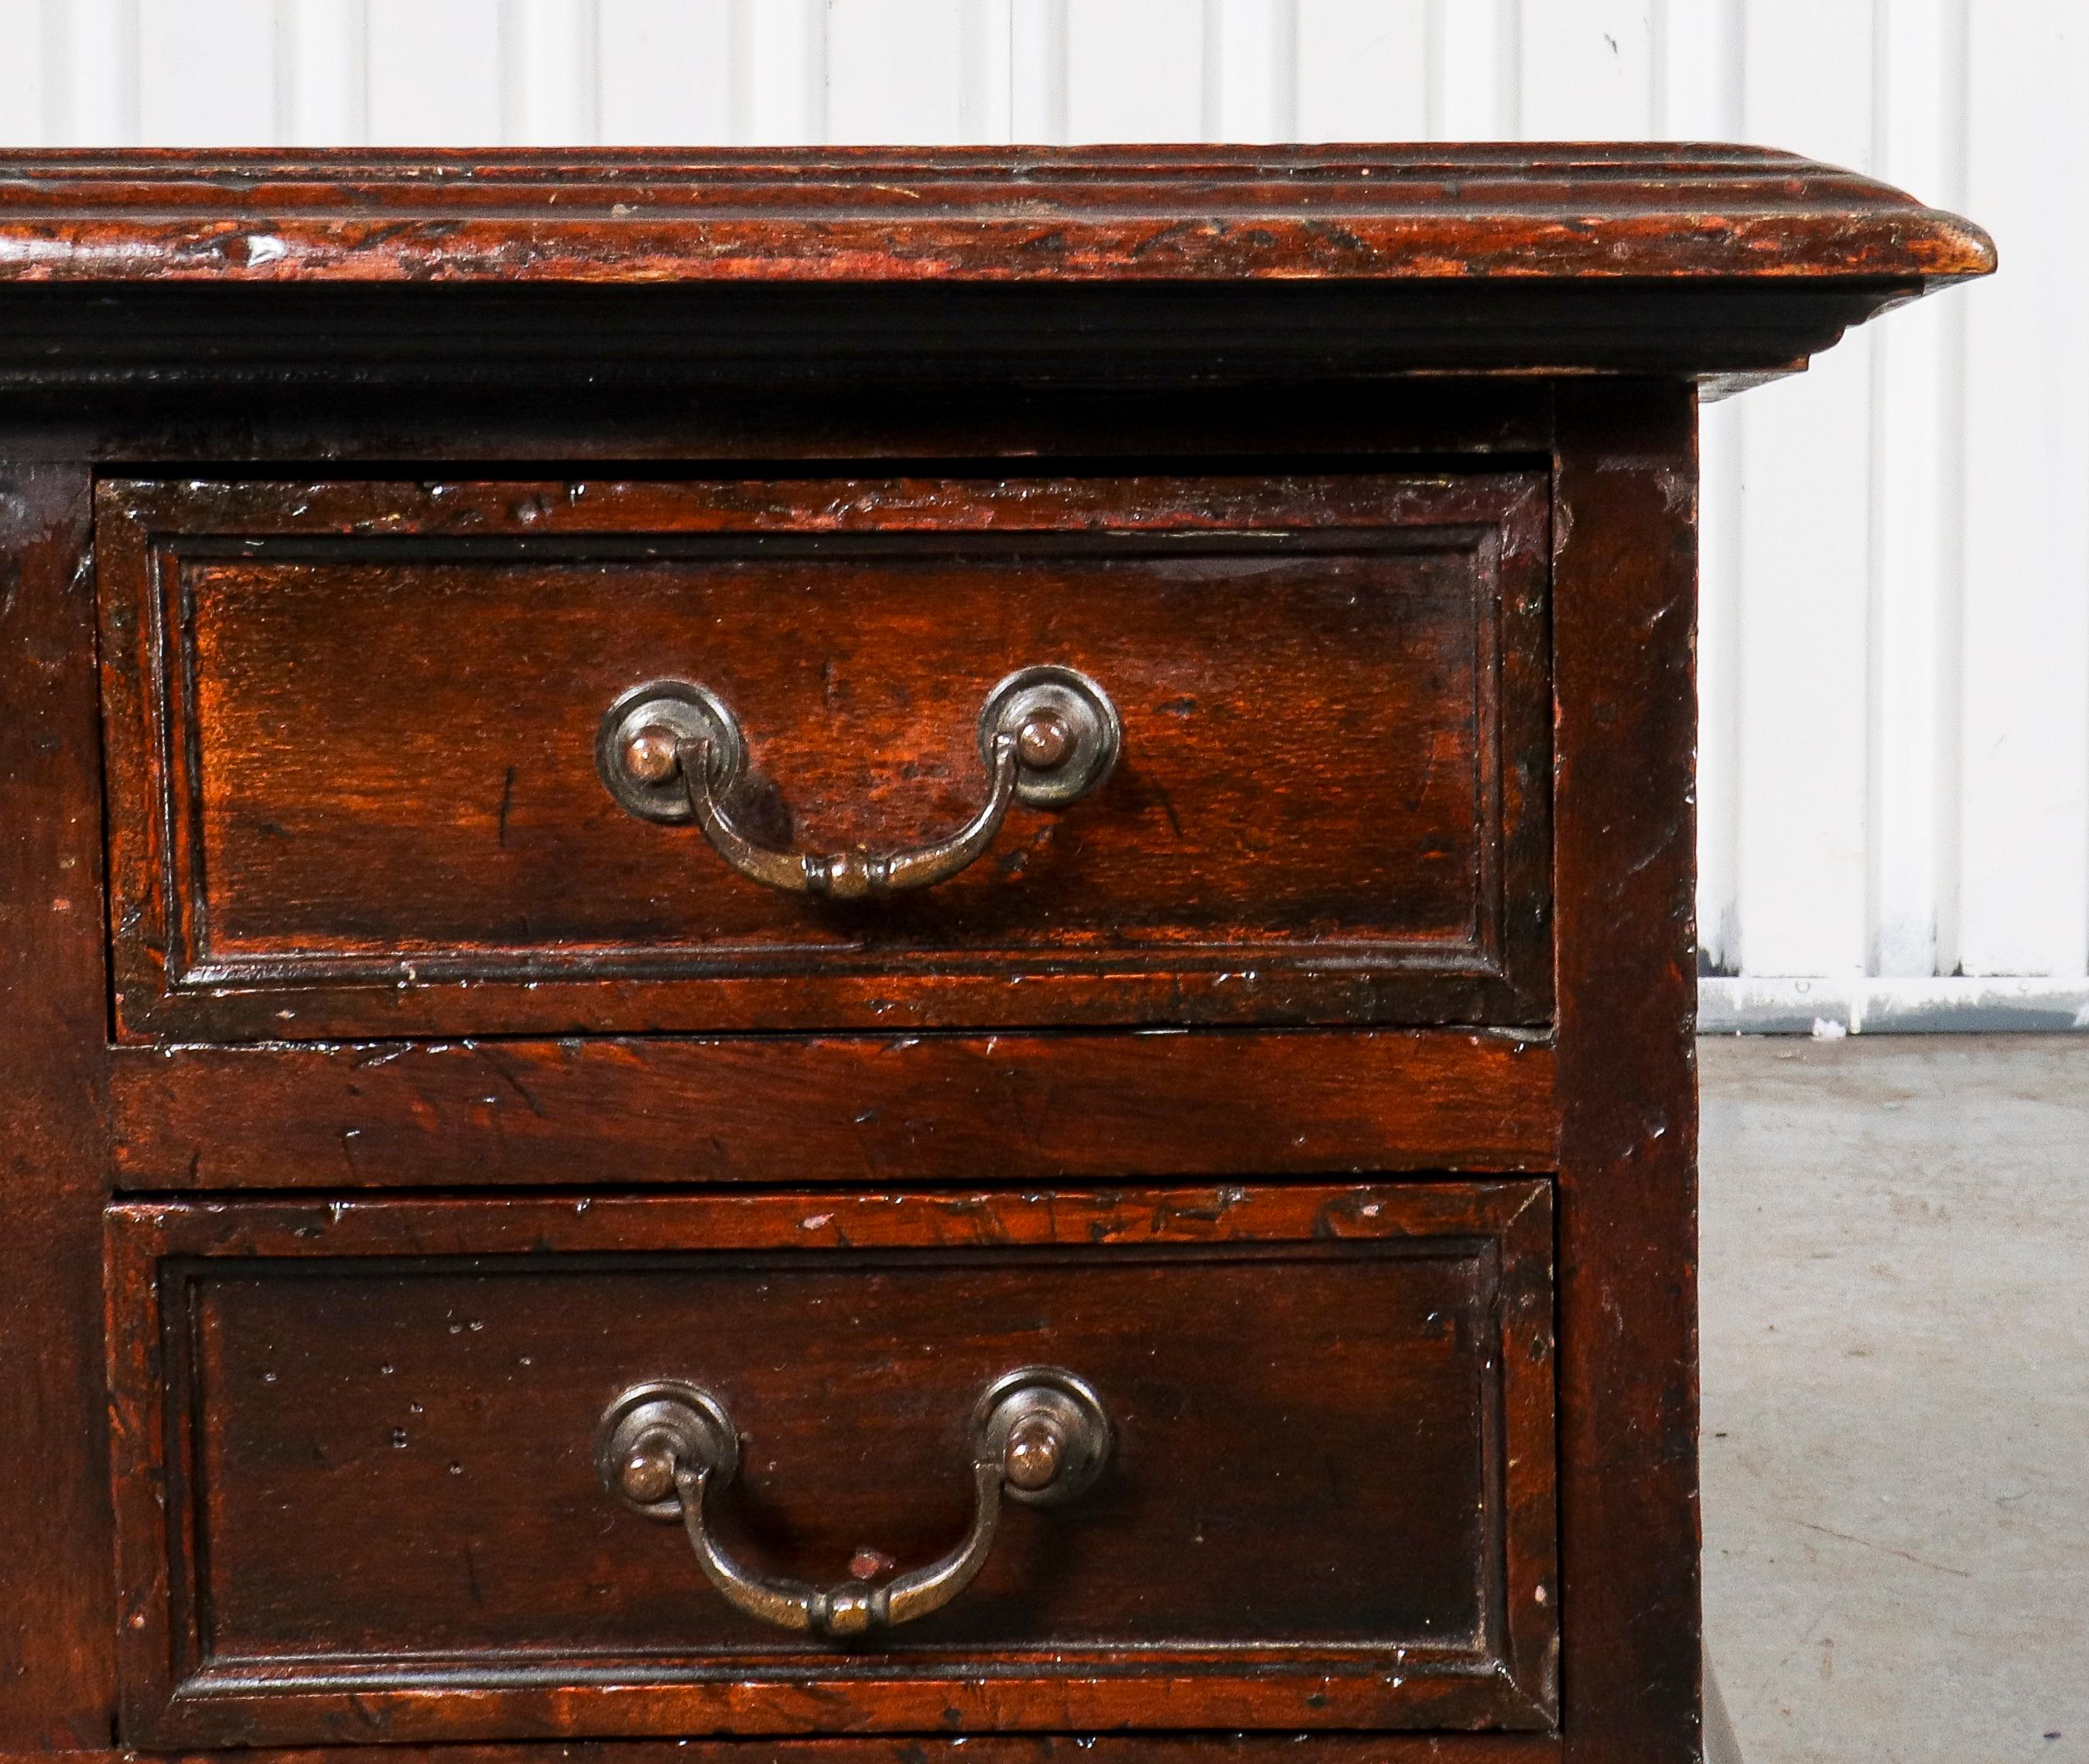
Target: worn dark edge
{"type": "Point", "coordinates": [856, 215]}
{"type": "Point", "coordinates": [55, 1632]}
{"type": "Point", "coordinates": [1624, 603]}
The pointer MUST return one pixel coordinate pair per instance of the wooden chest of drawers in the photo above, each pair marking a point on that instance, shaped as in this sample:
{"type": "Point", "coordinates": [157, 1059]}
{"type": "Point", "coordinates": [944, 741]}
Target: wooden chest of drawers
{"type": "Point", "coordinates": [871, 956]}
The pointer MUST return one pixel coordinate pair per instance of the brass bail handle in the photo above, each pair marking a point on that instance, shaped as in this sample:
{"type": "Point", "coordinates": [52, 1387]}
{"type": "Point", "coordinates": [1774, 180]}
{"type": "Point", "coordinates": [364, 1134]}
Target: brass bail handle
{"type": "Point", "coordinates": [1040, 1435]}
{"type": "Point", "coordinates": [673, 751]}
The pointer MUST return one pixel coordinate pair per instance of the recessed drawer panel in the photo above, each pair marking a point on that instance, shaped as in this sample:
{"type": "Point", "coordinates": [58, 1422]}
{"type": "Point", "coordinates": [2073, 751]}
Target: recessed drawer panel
{"type": "Point", "coordinates": [390, 758]}
{"type": "Point", "coordinates": [406, 1469]}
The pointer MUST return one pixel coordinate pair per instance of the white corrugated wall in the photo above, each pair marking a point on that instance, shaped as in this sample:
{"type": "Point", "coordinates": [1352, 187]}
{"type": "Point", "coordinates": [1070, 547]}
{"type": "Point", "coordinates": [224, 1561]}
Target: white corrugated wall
{"type": "Point", "coordinates": [1895, 643]}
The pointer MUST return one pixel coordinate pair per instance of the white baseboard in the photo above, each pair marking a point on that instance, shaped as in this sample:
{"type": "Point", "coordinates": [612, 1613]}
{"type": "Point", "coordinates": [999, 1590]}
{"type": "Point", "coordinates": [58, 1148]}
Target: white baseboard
{"type": "Point", "coordinates": [1769, 1006]}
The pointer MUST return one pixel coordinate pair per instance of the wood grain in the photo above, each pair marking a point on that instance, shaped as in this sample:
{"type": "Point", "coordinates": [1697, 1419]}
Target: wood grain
{"type": "Point", "coordinates": [1348, 1524]}
{"type": "Point", "coordinates": [750, 1109]}
{"type": "Point", "coordinates": [470, 273]}
{"type": "Point", "coordinates": [354, 782]}
{"type": "Point", "coordinates": [1419, 211]}
{"type": "Point", "coordinates": [485, 394]}
{"type": "Point", "coordinates": [55, 1636]}
{"type": "Point", "coordinates": [932, 1748]}
{"type": "Point", "coordinates": [1623, 643]}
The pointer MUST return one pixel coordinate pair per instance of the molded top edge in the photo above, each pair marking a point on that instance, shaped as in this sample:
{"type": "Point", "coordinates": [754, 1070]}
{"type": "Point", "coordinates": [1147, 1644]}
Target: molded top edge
{"type": "Point", "coordinates": [1421, 212]}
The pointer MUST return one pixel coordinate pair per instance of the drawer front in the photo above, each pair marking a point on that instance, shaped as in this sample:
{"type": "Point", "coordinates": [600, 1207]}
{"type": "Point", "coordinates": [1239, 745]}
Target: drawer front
{"type": "Point", "coordinates": [371, 1485]}
{"type": "Point", "coordinates": [358, 737]}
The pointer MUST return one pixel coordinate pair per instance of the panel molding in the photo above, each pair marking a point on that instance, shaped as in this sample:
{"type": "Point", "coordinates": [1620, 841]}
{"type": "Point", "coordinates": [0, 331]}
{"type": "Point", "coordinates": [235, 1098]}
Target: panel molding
{"type": "Point", "coordinates": [201, 861]}
{"type": "Point", "coordinates": [184, 1684]}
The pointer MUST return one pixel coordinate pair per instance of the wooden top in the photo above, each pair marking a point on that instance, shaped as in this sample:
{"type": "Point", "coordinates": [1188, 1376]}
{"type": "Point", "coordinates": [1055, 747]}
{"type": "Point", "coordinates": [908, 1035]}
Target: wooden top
{"type": "Point", "coordinates": [1410, 214]}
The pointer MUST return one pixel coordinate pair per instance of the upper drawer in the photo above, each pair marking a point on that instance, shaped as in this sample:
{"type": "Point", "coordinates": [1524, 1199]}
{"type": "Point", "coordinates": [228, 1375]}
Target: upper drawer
{"type": "Point", "coordinates": [359, 732]}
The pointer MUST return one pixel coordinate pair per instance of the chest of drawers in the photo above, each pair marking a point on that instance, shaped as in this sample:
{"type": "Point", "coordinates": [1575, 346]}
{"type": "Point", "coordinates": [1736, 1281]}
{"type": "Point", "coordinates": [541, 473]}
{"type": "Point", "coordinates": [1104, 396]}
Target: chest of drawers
{"type": "Point", "coordinates": [869, 956]}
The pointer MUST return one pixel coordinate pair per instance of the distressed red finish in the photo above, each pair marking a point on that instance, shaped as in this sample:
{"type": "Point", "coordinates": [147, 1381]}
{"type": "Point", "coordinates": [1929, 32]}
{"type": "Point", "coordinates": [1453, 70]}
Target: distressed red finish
{"type": "Point", "coordinates": [1321, 1085]}
{"type": "Point", "coordinates": [587, 271]}
{"type": "Point", "coordinates": [1425, 212]}
{"type": "Point", "coordinates": [740, 1109]}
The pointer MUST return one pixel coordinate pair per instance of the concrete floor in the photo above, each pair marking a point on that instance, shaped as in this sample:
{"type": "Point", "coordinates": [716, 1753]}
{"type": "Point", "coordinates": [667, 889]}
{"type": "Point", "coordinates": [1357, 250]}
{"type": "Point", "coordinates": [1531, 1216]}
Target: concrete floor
{"type": "Point", "coordinates": [1896, 1397]}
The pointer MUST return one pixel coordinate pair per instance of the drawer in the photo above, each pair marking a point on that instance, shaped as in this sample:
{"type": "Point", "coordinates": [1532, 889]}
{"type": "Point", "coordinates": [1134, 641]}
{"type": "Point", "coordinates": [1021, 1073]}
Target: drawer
{"type": "Point", "coordinates": [398, 758]}
{"type": "Point", "coordinates": [417, 1470]}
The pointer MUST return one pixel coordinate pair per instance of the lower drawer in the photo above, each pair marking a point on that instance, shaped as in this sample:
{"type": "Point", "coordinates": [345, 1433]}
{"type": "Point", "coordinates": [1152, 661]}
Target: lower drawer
{"type": "Point", "coordinates": [480, 1468]}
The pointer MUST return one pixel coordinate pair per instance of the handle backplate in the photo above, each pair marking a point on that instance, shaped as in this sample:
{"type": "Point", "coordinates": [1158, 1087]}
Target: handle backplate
{"type": "Point", "coordinates": [685, 714]}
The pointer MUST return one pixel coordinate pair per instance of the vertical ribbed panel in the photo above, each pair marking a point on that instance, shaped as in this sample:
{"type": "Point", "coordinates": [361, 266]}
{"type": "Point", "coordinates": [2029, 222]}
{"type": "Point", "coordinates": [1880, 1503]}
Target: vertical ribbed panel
{"type": "Point", "coordinates": [1805, 447]}
{"type": "Point", "coordinates": [2022, 624]}
{"type": "Point", "coordinates": [1913, 553]}
{"type": "Point", "coordinates": [321, 72]}
{"type": "Point", "coordinates": [1894, 647]}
